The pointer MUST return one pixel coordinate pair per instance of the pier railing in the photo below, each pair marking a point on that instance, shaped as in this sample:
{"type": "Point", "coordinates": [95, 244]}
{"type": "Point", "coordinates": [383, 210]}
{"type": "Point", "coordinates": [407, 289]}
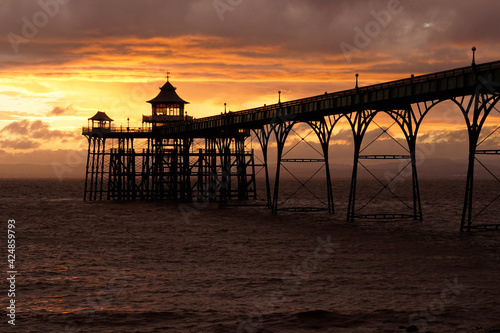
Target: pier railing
{"type": "Point", "coordinates": [419, 87]}
{"type": "Point", "coordinates": [103, 130]}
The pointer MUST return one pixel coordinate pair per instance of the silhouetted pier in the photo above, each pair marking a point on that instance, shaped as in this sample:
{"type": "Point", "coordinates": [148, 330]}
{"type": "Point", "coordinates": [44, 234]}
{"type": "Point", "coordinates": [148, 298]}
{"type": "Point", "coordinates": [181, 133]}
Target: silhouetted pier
{"type": "Point", "coordinates": [175, 157]}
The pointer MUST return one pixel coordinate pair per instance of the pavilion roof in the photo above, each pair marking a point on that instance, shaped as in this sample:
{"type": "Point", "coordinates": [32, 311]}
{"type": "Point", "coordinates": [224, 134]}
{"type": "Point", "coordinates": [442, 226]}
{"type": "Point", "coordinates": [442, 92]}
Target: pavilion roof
{"type": "Point", "coordinates": [168, 95]}
{"type": "Point", "coordinates": [101, 116]}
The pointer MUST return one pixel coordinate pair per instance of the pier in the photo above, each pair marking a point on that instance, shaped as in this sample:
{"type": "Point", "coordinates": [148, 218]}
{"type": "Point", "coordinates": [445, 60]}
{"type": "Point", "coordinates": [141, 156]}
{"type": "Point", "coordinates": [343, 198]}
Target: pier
{"type": "Point", "coordinates": [176, 157]}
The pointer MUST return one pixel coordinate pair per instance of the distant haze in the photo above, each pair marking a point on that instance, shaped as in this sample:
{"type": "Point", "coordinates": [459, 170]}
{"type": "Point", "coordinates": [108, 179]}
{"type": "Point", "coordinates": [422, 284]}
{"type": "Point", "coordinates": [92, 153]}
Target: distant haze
{"type": "Point", "coordinates": [431, 169]}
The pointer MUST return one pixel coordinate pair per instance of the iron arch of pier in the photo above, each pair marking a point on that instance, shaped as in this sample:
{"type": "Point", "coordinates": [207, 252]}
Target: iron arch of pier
{"type": "Point", "coordinates": [475, 112]}
{"type": "Point", "coordinates": [409, 119]}
{"type": "Point", "coordinates": [323, 129]}
{"type": "Point", "coordinates": [280, 130]}
{"type": "Point", "coordinates": [409, 122]}
{"type": "Point", "coordinates": [475, 109]}
{"type": "Point", "coordinates": [359, 122]}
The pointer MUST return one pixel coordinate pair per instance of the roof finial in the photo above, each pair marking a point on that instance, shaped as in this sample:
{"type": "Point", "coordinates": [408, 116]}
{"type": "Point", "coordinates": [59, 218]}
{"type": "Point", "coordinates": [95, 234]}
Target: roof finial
{"type": "Point", "coordinates": [474, 56]}
{"type": "Point", "coordinates": [168, 75]}
{"type": "Point", "coordinates": [357, 76]}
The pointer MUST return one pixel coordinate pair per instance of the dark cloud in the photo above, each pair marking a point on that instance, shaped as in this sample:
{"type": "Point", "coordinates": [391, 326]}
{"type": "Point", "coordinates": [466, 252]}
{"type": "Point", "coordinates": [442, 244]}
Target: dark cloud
{"type": "Point", "coordinates": [37, 129]}
{"type": "Point", "coordinates": [445, 136]}
{"type": "Point", "coordinates": [343, 135]}
{"type": "Point", "coordinates": [421, 33]}
{"type": "Point", "coordinates": [22, 144]}
{"type": "Point", "coordinates": [17, 127]}
{"type": "Point", "coordinates": [57, 111]}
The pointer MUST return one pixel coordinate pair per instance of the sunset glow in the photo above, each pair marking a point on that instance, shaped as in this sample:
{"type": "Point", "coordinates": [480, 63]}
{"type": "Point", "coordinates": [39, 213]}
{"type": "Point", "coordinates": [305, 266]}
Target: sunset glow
{"type": "Point", "coordinates": [85, 57]}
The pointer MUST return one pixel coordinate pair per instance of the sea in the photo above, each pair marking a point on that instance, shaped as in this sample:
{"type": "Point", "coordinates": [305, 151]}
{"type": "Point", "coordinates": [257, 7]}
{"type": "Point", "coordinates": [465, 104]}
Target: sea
{"type": "Point", "coordinates": [170, 267]}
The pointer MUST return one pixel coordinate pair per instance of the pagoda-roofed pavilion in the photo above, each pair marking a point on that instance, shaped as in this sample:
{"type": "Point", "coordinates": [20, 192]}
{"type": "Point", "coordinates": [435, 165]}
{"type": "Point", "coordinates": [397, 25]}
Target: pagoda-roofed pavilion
{"type": "Point", "coordinates": [100, 120]}
{"type": "Point", "coordinates": [167, 107]}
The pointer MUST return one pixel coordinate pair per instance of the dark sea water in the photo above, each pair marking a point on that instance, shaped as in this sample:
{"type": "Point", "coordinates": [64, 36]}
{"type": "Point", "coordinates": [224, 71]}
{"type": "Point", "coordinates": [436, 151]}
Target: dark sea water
{"type": "Point", "coordinates": [165, 267]}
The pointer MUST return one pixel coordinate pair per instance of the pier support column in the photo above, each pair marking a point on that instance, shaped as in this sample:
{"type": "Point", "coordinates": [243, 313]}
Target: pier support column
{"type": "Point", "coordinates": [94, 175]}
{"type": "Point", "coordinates": [281, 131]}
{"type": "Point", "coordinates": [211, 169]}
{"type": "Point", "coordinates": [323, 130]}
{"type": "Point", "coordinates": [263, 134]}
{"type": "Point", "coordinates": [475, 112]}
{"type": "Point", "coordinates": [241, 168]}
{"type": "Point", "coordinates": [101, 168]}
{"type": "Point", "coordinates": [359, 122]}
{"type": "Point", "coordinates": [224, 150]}
{"type": "Point", "coordinates": [186, 193]}
{"type": "Point", "coordinates": [158, 170]}
{"type": "Point", "coordinates": [409, 121]}
{"type": "Point", "coordinates": [86, 190]}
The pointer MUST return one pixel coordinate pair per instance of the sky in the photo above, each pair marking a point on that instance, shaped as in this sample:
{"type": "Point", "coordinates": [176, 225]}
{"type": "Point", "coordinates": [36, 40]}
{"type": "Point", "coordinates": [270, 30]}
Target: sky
{"type": "Point", "coordinates": [61, 61]}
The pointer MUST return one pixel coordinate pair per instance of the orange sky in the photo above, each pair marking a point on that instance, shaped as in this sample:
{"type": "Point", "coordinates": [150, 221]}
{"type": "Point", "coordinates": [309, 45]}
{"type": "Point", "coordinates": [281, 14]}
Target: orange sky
{"type": "Point", "coordinates": [64, 60]}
